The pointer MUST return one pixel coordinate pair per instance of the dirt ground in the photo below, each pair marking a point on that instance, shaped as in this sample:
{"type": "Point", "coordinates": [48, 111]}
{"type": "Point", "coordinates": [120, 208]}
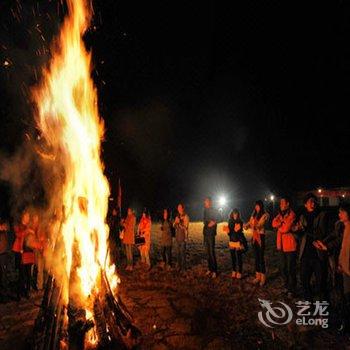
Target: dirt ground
{"type": "Point", "coordinates": [17, 320]}
{"type": "Point", "coordinates": [189, 310]}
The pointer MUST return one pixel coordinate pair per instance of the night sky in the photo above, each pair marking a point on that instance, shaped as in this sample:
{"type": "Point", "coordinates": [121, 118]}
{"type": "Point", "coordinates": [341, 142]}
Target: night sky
{"type": "Point", "coordinates": [200, 98]}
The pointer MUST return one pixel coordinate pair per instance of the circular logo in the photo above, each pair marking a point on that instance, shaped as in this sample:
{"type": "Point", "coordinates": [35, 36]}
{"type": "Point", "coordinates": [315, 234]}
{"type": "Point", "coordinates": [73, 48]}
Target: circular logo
{"type": "Point", "coordinates": [274, 315]}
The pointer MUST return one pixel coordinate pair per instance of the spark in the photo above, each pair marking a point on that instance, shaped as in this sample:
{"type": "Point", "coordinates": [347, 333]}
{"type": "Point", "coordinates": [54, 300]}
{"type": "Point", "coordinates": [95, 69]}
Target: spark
{"type": "Point", "coordinates": [7, 63]}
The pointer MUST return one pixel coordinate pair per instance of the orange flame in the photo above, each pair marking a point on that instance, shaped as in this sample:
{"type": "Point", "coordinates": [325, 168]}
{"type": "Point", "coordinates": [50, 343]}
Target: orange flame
{"type": "Point", "coordinates": [70, 124]}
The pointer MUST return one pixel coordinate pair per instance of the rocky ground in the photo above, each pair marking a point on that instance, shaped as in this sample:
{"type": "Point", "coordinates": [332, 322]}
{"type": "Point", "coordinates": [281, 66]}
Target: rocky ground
{"type": "Point", "coordinates": [191, 311]}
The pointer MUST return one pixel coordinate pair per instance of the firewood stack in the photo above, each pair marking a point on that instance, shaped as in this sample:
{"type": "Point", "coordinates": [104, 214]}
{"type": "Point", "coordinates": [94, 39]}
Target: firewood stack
{"type": "Point", "coordinates": [112, 322]}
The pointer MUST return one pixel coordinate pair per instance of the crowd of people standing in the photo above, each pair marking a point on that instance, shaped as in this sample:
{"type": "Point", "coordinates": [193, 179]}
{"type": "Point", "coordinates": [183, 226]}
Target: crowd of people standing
{"type": "Point", "coordinates": [129, 233]}
{"type": "Point", "coordinates": [309, 243]}
{"type": "Point", "coordinates": [27, 250]}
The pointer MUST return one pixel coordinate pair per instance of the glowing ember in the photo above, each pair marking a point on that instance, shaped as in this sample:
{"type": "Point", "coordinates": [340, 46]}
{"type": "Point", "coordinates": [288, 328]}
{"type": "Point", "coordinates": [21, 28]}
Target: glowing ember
{"type": "Point", "coordinates": [72, 129]}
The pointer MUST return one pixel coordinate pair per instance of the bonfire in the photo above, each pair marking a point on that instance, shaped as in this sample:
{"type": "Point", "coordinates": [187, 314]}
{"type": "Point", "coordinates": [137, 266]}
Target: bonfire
{"type": "Point", "coordinates": [81, 308]}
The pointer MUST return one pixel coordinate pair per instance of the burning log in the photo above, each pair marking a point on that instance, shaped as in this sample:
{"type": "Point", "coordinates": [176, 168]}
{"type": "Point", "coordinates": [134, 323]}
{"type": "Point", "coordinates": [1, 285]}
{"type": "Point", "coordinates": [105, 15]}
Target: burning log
{"type": "Point", "coordinates": [101, 324]}
{"type": "Point", "coordinates": [49, 318]}
{"type": "Point", "coordinates": [78, 327]}
{"type": "Point", "coordinates": [116, 313]}
{"type": "Point", "coordinates": [112, 324]}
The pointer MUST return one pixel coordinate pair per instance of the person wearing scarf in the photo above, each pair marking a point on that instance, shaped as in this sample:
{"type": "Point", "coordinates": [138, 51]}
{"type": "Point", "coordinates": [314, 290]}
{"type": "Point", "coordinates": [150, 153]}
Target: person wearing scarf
{"type": "Point", "coordinates": [257, 223]}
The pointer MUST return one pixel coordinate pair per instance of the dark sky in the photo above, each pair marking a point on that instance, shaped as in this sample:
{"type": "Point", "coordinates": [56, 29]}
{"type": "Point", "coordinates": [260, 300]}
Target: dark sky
{"type": "Point", "coordinates": [202, 98]}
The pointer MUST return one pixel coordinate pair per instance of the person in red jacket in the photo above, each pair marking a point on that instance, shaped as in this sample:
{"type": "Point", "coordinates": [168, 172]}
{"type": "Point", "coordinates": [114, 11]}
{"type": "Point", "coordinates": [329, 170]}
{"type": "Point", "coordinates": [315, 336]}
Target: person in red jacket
{"type": "Point", "coordinates": [144, 230]}
{"type": "Point", "coordinates": [20, 232]}
{"type": "Point", "coordinates": [23, 247]}
{"type": "Point", "coordinates": [286, 243]}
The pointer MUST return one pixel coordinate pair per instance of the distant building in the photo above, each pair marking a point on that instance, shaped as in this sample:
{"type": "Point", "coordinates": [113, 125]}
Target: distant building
{"type": "Point", "coordinates": [328, 197]}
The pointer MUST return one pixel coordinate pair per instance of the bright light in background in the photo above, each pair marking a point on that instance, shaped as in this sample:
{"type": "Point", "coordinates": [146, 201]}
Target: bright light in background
{"type": "Point", "coordinates": [320, 190]}
{"type": "Point", "coordinates": [272, 197]}
{"type": "Point", "coordinates": [222, 201]}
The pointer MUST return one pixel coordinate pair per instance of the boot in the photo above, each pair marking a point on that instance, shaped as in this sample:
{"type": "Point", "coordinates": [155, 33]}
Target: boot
{"type": "Point", "coordinates": [256, 280]}
{"type": "Point", "coordinates": [262, 279]}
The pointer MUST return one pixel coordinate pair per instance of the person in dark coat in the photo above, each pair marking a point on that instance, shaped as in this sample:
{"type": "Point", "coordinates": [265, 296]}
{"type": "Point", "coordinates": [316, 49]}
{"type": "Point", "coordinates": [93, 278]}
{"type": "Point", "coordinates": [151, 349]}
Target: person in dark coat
{"type": "Point", "coordinates": [311, 227]}
{"type": "Point", "coordinates": [210, 221]}
{"type": "Point", "coordinates": [238, 243]}
{"type": "Point", "coordinates": [166, 239]}
{"type": "Point", "coordinates": [332, 244]}
{"type": "Point", "coordinates": [4, 238]}
{"type": "Point", "coordinates": [114, 223]}
{"type": "Point", "coordinates": [337, 244]}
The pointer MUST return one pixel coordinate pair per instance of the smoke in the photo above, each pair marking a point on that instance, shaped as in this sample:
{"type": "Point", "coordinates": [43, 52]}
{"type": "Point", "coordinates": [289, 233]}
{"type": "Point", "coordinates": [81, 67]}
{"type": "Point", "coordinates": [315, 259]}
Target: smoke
{"type": "Point", "coordinates": [35, 179]}
{"type": "Point", "coordinates": [25, 34]}
{"type": "Point", "coordinates": [21, 172]}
